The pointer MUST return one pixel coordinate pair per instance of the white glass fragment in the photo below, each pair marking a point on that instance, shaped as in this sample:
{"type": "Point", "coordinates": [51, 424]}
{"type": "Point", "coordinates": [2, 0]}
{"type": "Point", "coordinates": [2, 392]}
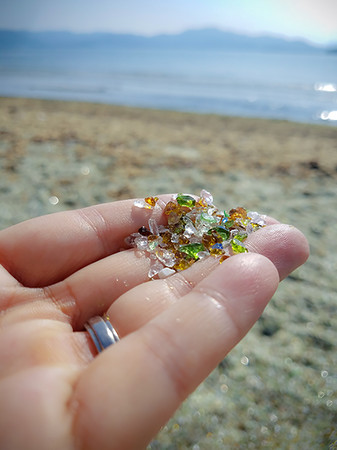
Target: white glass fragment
{"type": "Point", "coordinates": [166, 272]}
{"type": "Point", "coordinates": [153, 226]}
{"type": "Point", "coordinates": [207, 196]}
{"type": "Point", "coordinates": [140, 203]}
{"type": "Point", "coordinates": [155, 268]}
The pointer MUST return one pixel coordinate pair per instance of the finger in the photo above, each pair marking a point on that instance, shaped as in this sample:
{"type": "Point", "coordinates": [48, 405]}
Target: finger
{"type": "Point", "coordinates": [137, 384]}
{"type": "Point", "coordinates": [91, 290]}
{"type": "Point", "coordinates": [284, 245]}
{"type": "Point", "coordinates": [94, 289]}
{"type": "Point", "coordinates": [45, 250]}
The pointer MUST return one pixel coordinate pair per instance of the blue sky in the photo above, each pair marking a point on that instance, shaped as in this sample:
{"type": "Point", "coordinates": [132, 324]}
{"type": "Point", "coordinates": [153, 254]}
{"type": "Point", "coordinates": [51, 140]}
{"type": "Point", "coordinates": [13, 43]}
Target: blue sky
{"type": "Point", "coordinates": [314, 20]}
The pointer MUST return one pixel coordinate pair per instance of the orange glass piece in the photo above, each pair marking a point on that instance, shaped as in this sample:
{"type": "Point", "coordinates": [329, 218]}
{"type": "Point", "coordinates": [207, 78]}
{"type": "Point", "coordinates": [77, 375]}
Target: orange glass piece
{"type": "Point", "coordinates": [166, 237]}
{"type": "Point", "coordinates": [171, 207]}
{"type": "Point", "coordinates": [237, 213]}
{"type": "Point", "coordinates": [183, 264]}
{"type": "Point", "coordinates": [209, 240]}
{"type": "Point", "coordinates": [201, 202]}
{"type": "Point", "coordinates": [183, 240]}
{"type": "Point", "coordinates": [151, 200]}
{"type": "Point", "coordinates": [223, 258]}
{"type": "Point", "coordinates": [152, 238]}
{"type": "Point", "coordinates": [215, 251]}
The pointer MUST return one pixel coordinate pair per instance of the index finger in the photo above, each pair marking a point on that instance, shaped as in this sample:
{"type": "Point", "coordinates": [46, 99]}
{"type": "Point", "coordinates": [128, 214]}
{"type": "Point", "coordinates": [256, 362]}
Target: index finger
{"type": "Point", "coordinates": [45, 250]}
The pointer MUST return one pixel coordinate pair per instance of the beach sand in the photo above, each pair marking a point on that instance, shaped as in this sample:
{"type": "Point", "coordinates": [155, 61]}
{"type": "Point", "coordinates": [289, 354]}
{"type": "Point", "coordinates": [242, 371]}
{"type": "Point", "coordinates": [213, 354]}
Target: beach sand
{"type": "Point", "coordinates": [278, 388]}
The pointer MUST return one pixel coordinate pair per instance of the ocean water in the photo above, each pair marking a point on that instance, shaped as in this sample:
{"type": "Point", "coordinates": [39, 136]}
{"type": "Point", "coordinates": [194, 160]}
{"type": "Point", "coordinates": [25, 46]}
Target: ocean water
{"type": "Point", "coordinates": [295, 87]}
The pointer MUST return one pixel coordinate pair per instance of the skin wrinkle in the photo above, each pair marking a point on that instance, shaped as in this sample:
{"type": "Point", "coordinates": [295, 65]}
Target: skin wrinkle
{"type": "Point", "coordinates": [10, 297]}
{"type": "Point", "coordinates": [62, 305]}
{"type": "Point", "coordinates": [30, 310]}
{"type": "Point", "coordinates": [91, 216]}
{"type": "Point", "coordinates": [179, 285]}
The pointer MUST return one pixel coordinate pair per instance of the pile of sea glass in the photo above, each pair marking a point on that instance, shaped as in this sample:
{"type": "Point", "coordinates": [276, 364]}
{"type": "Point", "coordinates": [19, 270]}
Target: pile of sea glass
{"type": "Point", "coordinates": [195, 229]}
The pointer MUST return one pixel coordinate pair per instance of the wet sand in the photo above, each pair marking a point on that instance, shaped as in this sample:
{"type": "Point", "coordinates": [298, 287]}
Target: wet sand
{"type": "Point", "coordinates": [278, 388]}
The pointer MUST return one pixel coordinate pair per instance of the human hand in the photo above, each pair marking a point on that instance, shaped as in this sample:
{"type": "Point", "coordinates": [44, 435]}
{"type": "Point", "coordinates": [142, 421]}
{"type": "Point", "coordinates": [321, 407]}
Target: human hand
{"type": "Point", "coordinates": [58, 271]}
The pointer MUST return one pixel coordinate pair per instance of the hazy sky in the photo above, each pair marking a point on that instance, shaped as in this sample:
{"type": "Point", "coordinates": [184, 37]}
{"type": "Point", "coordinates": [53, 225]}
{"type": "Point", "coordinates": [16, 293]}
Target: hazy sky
{"type": "Point", "coordinates": [315, 20]}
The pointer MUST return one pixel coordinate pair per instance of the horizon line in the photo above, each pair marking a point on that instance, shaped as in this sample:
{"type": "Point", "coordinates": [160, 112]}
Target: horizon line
{"type": "Point", "coordinates": [256, 34]}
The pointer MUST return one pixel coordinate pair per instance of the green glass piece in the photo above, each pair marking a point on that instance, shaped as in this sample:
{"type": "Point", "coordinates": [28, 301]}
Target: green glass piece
{"type": "Point", "coordinates": [192, 250]}
{"type": "Point", "coordinates": [226, 214]}
{"type": "Point", "coordinates": [227, 223]}
{"type": "Point", "coordinates": [185, 200]}
{"type": "Point", "coordinates": [237, 247]}
{"type": "Point", "coordinates": [241, 237]}
{"type": "Point", "coordinates": [221, 231]}
{"type": "Point", "coordinates": [207, 218]}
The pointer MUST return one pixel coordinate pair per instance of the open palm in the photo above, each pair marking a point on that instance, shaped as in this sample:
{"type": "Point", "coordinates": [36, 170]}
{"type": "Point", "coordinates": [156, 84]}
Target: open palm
{"type": "Point", "coordinates": [60, 270]}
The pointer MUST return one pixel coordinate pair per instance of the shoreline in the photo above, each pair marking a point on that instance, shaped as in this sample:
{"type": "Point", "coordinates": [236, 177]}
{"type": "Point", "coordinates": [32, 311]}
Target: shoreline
{"type": "Point", "coordinates": [313, 122]}
{"type": "Point", "coordinates": [84, 153]}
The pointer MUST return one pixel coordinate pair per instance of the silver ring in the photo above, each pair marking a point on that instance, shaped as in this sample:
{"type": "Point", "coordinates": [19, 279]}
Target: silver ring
{"type": "Point", "coordinates": [101, 332]}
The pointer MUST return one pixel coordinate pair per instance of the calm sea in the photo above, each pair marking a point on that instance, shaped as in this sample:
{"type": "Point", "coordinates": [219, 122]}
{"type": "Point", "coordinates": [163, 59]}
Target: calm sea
{"type": "Point", "coordinates": [297, 87]}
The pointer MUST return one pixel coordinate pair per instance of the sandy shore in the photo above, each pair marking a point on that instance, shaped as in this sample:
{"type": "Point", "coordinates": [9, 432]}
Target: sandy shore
{"type": "Point", "coordinates": [278, 388]}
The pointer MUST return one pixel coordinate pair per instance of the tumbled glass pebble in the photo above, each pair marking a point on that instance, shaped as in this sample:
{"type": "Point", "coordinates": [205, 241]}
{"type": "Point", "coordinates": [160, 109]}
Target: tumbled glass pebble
{"type": "Point", "coordinates": [153, 241]}
{"type": "Point", "coordinates": [142, 204]}
{"type": "Point", "coordinates": [171, 207]}
{"type": "Point", "coordinates": [238, 247]}
{"type": "Point", "coordinates": [209, 240]}
{"type": "Point", "coordinates": [237, 213]}
{"type": "Point", "coordinates": [221, 231]}
{"type": "Point", "coordinates": [165, 272]}
{"type": "Point", "coordinates": [151, 201]}
{"type": "Point", "coordinates": [223, 258]}
{"type": "Point", "coordinates": [153, 226]}
{"type": "Point", "coordinates": [144, 231]}
{"type": "Point", "coordinates": [241, 237]}
{"type": "Point", "coordinates": [185, 200]}
{"type": "Point", "coordinates": [206, 196]}
{"type": "Point", "coordinates": [183, 264]}
{"type": "Point", "coordinates": [256, 218]}
{"type": "Point", "coordinates": [166, 257]}
{"type": "Point", "coordinates": [216, 250]}
{"type": "Point", "coordinates": [141, 242]}
{"type": "Point", "coordinates": [208, 218]}
{"type": "Point", "coordinates": [192, 250]}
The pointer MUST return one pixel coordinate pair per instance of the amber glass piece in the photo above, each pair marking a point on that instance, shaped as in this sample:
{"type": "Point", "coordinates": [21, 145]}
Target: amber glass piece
{"type": "Point", "coordinates": [183, 264]}
{"type": "Point", "coordinates": [223, 258]}
{"type": "Point", "coordinates": [151, 200]}
{"type": "Point", "coordinates": [173, 218]}
{"type": "Point", "coordinates": [169, 207]}
{"type": "Point", "coordinates": [237, 213]}
{"type": "Point", "coordinates": [201, 202]}
{"type": "Point", "coordinates": [152, 238]}
{"type": "Point", "coordinates": [214, 251]}
{"type": "Point", "coordinates": [183, 240]}
{"type": "Point", "coordinates": [209, 240]}
{"type": "Point", "coordinates": [166, 237]}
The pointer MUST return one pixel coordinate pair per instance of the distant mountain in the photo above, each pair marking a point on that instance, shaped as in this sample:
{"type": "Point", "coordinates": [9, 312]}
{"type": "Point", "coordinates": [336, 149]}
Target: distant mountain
{"type": "Point", "coordinates": [193, 39]}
